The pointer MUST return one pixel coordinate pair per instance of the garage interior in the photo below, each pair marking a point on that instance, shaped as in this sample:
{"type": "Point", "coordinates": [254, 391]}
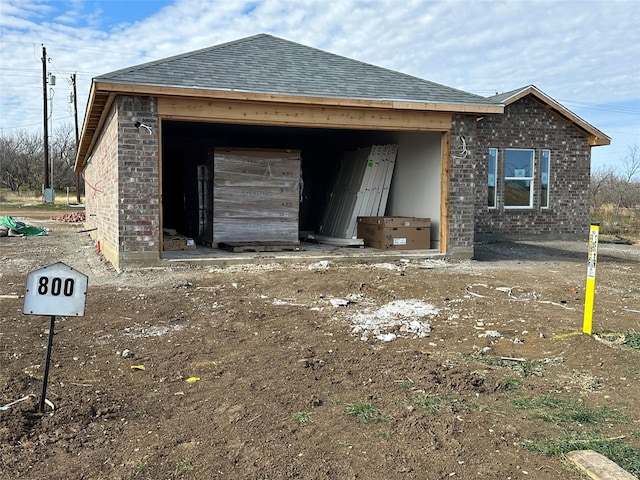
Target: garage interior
{"type": "Point", "coordinates": [415, 189]}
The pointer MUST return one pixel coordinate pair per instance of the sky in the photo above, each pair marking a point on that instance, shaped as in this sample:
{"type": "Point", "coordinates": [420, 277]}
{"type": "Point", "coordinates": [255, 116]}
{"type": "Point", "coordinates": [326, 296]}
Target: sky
{"type": "Point", "coordinates": [584, 54]}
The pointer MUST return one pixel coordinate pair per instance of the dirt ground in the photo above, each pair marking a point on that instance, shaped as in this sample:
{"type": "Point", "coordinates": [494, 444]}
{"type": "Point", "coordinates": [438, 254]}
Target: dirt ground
{"type": "Point", "coordinates": [257, 372]}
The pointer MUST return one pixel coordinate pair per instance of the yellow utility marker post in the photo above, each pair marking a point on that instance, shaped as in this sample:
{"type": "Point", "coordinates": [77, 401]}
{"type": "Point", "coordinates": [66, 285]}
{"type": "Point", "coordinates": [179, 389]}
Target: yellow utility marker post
{"type": "Point", "coordinates": [590, 289]}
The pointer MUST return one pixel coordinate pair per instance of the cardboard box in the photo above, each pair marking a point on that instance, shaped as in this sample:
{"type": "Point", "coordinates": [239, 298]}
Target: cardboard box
{"type": "Point", "coordinates": [396, 222]}
{"type": "Point", "coordinates": [395, 233]}
{"type": "Point", "coordinates": [178, 242]}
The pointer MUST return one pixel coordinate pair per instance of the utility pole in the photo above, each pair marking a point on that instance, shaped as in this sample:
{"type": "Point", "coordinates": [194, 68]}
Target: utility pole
{"type": "Point", "coordinates": [75, 116]}
{"type": "Point", "coordinates": [75, 106]}
{"type": "Point", "coordinates": [47, 181]}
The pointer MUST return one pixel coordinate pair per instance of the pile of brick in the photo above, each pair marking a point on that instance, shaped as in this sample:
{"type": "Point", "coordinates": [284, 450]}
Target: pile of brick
{"type": "Point", "coordinates": [72, 217]}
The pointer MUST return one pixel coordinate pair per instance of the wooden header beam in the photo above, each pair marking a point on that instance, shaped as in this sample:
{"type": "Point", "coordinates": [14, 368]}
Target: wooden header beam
{"type": "Point", "coordinates": [319, 116]}
{"type": "Point", "coordinates": [210, 94]}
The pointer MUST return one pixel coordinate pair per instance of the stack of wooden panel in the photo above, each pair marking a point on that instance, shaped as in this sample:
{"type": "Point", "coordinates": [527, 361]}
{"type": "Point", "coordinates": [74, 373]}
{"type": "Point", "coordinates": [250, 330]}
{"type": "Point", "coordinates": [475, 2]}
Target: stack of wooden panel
{"type": "Point", "coordinates": [256, 195]}
{"type": "Point", "coordinates": [361, 189]}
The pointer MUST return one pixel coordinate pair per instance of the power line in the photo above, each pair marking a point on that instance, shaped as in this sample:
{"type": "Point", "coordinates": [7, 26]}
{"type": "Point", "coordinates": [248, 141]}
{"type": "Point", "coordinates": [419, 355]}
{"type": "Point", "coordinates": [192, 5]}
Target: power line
{"type": "Point", "coordinates": [57, 45]}
{"type": "Point", "coordinates": [603, 107]}
{"type": "Point", "coordinates": [99, 50]}
{"type": "Point", "coordinates": [56, 119]}
{"type": "Point", "coordinates": [635, 134]}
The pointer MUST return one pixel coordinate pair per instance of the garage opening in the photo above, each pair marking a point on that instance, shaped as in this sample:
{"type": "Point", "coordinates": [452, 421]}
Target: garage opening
{"type": "Point", "coordinates": [187, 170]}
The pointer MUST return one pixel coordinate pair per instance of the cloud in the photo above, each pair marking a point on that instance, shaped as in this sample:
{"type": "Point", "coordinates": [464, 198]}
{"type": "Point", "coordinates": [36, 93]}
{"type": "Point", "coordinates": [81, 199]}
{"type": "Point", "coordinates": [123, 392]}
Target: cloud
{"type": "Point", "coordinates": [586, 52]}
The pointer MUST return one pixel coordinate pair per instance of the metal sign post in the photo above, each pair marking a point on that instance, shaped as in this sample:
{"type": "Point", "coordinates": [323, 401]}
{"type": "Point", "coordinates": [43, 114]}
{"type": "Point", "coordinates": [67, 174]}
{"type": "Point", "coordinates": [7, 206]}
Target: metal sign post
{"type": "Point", "coordinates": [45, 378]}
{"type": "Point", "coordinates": [54, 290]}
{"type": "Point", "coordinates": [590, 289]}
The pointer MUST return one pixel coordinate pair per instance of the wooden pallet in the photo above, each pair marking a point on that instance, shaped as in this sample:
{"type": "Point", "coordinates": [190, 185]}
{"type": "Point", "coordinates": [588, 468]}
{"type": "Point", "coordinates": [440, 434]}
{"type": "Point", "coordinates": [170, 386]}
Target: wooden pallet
{"type": "Point", "coordinates": [178, 242]}
{"type": "Point", "coordinates": [240, 247]}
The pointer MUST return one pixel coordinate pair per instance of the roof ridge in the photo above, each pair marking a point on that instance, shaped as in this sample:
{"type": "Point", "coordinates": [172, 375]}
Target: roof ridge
{"type": "Point", "coordinates": [264, 63]}
{"type": "Point", "coordinates": [509, 93]}
{"type": "Point", "coordinates": [371, 65]}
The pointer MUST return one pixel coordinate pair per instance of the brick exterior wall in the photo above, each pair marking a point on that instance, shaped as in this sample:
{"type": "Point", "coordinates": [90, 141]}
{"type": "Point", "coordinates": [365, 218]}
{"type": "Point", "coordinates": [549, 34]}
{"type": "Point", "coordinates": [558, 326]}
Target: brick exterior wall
{"type": "Point", "coordinates": [123, 180]}
{"type": "Point", "coordinates": [101, 190]}
{"type": "Point", "coordinates": [122, 185]}
{"type": "Point", "coordinates": [139, 185]}
{"type": "Point", "coordinates": [462, 185]}
{"type": "Point", "coordinates": [527, 124]}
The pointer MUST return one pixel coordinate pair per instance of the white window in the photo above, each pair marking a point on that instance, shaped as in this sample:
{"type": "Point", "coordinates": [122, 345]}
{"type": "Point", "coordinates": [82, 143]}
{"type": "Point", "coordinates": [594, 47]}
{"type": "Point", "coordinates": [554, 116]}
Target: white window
{"type": "Point", "coordinates": [518, 178]}
{"type": "Point", "coordinates": [491, 180]}
{"type": "Point", "coordinates": [544, 178]}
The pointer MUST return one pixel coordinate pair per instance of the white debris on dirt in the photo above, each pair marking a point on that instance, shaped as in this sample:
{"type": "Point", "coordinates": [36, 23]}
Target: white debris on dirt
{"type": "Point", "coordinates": [387, 337]}
{"type": "Point", "coordinates": [489, 334]}
{"type": "Point", "coordinates": [434, 263]}
{"type": "Point", "coordinates": [277, 301]}
{"type": "Point", "coordinates": [348, 300]}
{"type": "Point", "coordinates": [339, 302]}
{"type": "Point", "coordinates": [248, 267]}
{"type": "Point", "coordinates": [321, 265]}
{"type": "Point", "coordinates": [387, 266]}
{"type": "Point", "coordinates": [139, 331]}
{"type": "Point", "coordinates": [395, 319]}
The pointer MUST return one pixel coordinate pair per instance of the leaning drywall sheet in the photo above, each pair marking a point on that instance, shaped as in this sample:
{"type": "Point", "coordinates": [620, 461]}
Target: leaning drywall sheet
{"type": "Point", "coordinates": [344, 194]}
{"type": "Point", "coordinates": [390, 162]}
{"type": "Point", "coordinates": [360, 189]}
{"type": "Point", "coordinates": [256, 195]}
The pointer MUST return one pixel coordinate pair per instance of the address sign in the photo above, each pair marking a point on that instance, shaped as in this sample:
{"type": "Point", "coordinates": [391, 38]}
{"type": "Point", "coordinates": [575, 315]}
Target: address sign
{"type": "Point", "coordinates": [56, 289]}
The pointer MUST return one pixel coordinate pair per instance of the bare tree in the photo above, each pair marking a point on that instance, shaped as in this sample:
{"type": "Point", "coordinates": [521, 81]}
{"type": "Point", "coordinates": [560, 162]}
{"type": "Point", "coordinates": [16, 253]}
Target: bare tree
{"type": "Point", "coordinates": [618, 188]}
{"type": "Point", "coordinates": [628, 181]}
{"type": "Point", "coordinates": [63, 154]}
{"type": "Point", "coordinates": [631, 164]}
{"type": "Point", "coordinates": [21, 161]}
{"type": "Point", "coordinates": [599, 188]}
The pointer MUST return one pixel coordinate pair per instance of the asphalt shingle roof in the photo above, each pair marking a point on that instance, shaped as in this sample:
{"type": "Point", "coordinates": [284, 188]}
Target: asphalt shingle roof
{"type": "Point", "coordinates": [271, 65]}
{"type": "Point", "coordinates": [501, 97]}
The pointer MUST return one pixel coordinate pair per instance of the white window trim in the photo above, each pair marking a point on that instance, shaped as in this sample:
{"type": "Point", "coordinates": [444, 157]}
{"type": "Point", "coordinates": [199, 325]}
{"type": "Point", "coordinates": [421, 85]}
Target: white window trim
{"type": "Point", "coordinates": [531, 179]}
{"type": "Point", "coordinates": [548, 178]}
{"type": "Point", "coordinates": [495, 179]}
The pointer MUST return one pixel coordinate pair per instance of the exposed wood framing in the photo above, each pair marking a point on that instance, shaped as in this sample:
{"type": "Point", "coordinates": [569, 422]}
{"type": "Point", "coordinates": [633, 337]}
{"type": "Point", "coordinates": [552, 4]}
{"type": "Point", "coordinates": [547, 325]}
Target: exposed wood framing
{"type": "Point", "coordinates": [340, 112]}
{"type": "Point", "coordinates": [208, 94]}
{"type": "Point", "coordinates": [319, 116]}
{"type": "Point", "coordinates": [92, 125]}
{"type": "Point", "coordinates": [160, 192]}
{"type": "Point", "coordinates": [445, 168]}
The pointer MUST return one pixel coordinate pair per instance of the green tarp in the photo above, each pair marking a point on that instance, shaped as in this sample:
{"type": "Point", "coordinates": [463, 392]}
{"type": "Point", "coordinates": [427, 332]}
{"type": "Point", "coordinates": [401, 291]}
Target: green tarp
{"type": "Point", "coordinates": [21, 227]}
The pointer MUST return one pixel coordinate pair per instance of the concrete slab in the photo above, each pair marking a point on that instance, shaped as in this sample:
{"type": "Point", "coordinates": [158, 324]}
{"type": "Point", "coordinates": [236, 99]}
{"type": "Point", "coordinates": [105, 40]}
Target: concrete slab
{"type": "Point", "coordinates": [309, 252]}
